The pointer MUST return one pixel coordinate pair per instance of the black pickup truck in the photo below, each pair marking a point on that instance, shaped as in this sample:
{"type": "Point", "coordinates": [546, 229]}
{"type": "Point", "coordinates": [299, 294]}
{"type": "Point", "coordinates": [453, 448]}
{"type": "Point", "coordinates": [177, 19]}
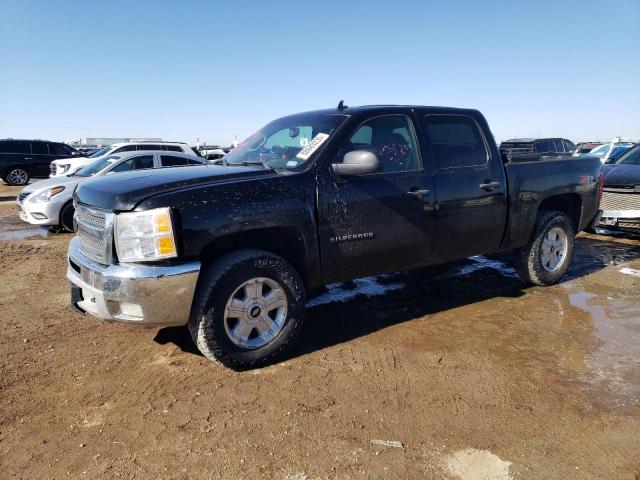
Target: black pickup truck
{"type": "Point", "coordinates": [314, 198]}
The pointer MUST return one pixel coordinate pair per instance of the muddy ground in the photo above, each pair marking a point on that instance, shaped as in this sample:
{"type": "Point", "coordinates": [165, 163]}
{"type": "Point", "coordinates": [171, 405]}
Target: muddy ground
{"type": "Point", "coordinates": [466, 371]}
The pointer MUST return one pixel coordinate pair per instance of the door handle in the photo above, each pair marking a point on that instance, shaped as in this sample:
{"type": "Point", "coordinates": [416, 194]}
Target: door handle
{"type": "Point", "coordinates": [489, 185]}
{"type": "Point", "coordinates": [417, 193]}
{"type": "Point", "coordinates": [28, 158]}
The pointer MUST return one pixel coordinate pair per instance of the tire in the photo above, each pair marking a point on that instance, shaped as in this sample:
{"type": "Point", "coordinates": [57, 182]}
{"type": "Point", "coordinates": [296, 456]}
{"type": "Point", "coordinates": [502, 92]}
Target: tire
{"type": "Point", "coordinates": [66, 218]}
{"type": "Point", "coordinates": [17, 176]}
{"type": "Point", "coordinates": [536, 263]}
{"type": "Point", "coordinates": [224, 285]}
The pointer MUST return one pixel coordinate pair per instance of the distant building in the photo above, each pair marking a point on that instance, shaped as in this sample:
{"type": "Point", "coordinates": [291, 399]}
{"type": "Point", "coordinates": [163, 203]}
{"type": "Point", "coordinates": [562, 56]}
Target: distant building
{"type": "Point", "coordinates": [101, 142]}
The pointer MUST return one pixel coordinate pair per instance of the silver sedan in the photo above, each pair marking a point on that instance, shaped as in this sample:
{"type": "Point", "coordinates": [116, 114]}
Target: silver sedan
{"type": "Point", "coordinates": [50, 202]}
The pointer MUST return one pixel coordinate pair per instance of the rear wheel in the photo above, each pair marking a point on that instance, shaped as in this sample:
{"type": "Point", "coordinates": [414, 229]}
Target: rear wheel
{"type": "Point", "coordinates": [17, 176]}
{"type": "Point", "coordinates": [248, 309]}
{"type": "Point", "coordinates": [547, 256]}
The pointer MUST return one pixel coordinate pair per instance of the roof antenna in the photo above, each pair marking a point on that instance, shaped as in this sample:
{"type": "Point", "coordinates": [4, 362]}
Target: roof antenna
{"type": "Point", "coordinates": [342, 106]}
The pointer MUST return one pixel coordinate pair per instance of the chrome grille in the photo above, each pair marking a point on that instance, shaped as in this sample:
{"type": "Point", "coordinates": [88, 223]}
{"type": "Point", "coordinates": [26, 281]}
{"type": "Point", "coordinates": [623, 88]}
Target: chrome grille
{"type": "Point", "coordinates": [52, 168]}
{"type": "Point", "coordinates": [95, 233]}
{"type": "Point", "coordinates": [620, 201]}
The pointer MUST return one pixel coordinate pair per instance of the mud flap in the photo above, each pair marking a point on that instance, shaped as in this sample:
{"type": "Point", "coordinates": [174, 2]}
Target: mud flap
{"type": "Point", "coordinates": [596, 220]}
{"type": "Point", "coordinates": [76, 297]}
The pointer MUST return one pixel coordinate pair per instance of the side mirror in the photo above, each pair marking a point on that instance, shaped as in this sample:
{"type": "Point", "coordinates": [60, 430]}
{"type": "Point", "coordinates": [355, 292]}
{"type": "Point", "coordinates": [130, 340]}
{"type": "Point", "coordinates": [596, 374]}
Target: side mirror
{"type": "Point", "coordinates": [358, 162]}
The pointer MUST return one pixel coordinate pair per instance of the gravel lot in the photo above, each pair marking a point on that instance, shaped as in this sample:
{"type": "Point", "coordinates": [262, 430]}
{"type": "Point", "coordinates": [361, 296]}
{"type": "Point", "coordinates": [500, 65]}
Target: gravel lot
{"type": "Point", "coordinates": [458, 371]}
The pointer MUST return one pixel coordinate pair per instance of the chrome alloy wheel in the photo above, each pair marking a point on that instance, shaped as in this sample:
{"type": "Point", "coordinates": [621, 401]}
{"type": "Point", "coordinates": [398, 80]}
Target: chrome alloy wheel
{"type": "Point", "coordinates": [18, 176]}
{"type": "Point", "coordinates": [255, 313]}
{"type": "Point", "coordinates": [554, 249]}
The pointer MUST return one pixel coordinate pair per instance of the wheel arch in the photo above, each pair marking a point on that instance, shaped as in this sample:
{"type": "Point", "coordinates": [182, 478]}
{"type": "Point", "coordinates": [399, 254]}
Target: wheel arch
{"type": "Point", "coordinates": [284, 241]}
{"type": "Point", "coordinates": [568, 203]}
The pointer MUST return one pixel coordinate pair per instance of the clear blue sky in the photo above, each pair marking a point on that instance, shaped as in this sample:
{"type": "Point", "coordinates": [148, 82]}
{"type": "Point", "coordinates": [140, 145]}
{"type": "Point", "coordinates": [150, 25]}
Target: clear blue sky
{"type": "Point", "coordinates": [182, 70]}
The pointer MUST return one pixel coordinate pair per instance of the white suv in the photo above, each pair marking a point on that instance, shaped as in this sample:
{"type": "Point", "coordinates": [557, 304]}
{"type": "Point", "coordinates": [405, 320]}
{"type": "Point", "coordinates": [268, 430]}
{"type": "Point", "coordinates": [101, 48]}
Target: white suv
{"type": "Point", "coordinates": [68, 166]}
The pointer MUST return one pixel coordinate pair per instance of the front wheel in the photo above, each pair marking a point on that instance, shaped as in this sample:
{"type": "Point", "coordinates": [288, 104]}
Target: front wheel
{"type": "Point", "coordinates": [547, 256]}
{"type": "Point", "coordinates": [248, 309]}
{"type": "Point", "coordinates": [66, 217]}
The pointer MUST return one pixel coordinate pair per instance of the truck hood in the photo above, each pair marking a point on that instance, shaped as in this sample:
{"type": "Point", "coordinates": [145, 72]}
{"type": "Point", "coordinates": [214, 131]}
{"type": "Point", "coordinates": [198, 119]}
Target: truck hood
{"type": "Point", "coordinates": [621, 176]}
{"type": "Point", "coordinates": [123, 191]}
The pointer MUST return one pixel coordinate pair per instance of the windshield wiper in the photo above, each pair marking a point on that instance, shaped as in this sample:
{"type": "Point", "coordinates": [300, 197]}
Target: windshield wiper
{"type": "Point", "coordinates": [252, 162]}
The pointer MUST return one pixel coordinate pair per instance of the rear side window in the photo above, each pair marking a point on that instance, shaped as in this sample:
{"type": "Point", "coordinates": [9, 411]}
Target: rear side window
{"type": "Point", "coordinates": [457, 141]}
{"type": "Point", "coordinates": [172, 148]}
{"type": "Point", "coordinates": [39, 148]}
{"type": "Point", "coordinates": [173, 161]}
{"type": "Point", "coordinates": [14, 147]}
{"type": "Point", "coordinates": [544, 146]}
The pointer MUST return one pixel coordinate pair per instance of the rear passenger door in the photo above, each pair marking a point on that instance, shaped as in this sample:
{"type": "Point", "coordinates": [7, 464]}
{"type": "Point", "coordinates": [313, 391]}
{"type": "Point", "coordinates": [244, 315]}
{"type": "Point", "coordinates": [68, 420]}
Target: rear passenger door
{"type": "Point", "coordinates": [470, 187]}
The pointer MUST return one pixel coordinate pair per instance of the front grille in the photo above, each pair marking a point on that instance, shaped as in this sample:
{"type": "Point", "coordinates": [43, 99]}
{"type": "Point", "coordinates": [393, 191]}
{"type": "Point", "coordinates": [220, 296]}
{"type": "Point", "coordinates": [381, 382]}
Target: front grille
{"type": "Point", "coordinates": [95, 233]}
{"type": "Point", "coordinates": [620, 201]}
{"type": "Point", "coordinates": [23, 195]}
{"type": "Point", "coordinates": [52, 167]}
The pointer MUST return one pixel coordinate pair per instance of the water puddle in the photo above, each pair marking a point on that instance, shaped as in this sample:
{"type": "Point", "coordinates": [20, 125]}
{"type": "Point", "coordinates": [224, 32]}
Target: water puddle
{"type": "Point", "coordinates": [24, 233]}
{"type": "Point", "coordinates": [614, 365]}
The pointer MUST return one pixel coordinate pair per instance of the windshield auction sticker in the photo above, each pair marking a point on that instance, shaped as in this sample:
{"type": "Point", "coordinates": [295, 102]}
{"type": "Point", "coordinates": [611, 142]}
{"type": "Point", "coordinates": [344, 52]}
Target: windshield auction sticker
{"type": "Point", "coordinates": [314, 144]}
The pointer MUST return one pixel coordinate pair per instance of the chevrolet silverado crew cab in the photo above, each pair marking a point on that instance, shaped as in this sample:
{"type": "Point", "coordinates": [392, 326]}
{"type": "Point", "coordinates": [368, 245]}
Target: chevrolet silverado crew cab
{"type": "Point", "coordinates": [313, 198]}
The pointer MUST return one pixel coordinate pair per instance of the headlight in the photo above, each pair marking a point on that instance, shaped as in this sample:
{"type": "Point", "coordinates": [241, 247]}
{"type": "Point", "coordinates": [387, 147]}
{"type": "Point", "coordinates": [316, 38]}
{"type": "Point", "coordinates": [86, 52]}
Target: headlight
{"type": "Point", "coordinates": [144, 236]}
{"type": "Point", "coordinates": [45, 195]}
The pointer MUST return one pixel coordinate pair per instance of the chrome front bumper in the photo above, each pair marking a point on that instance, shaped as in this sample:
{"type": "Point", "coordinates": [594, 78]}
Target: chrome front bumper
{"type": "Point", "coordinates": [135, 293]}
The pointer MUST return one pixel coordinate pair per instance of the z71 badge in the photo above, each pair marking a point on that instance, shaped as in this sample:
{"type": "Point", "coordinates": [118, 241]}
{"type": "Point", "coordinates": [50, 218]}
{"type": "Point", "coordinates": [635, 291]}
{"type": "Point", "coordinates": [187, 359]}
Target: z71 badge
{"type": "Point", "coordinates": [351, 236]}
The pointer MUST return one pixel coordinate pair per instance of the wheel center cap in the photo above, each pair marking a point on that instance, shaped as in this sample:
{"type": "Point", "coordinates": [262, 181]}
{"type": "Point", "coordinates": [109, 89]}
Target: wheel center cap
{"type": "Point", "coordinates": [255, 311]}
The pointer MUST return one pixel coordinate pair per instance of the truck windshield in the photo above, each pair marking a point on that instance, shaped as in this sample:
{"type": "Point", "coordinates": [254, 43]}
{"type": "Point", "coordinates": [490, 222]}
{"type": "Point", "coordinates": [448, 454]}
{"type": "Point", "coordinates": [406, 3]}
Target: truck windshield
{"type": "Point", "coordinates": [287, 143]}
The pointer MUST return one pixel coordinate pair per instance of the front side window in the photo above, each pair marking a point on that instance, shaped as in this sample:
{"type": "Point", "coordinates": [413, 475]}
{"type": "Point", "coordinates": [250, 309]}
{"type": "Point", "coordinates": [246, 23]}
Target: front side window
{"type": "Point", "coordinates": [568, 146]}
{"type": "Point", "coordinates": [280, 144]}
{"type": "Point", "coordinates": [39, 148]}
{"type": "Point", "coordinates": [135, 163]}
{"type": "Point", "coordinates": [457, 141]}
{"type": "Point", "coordinates": [59, 149]}
{"type": "Point", "coordinates": [391, 138]}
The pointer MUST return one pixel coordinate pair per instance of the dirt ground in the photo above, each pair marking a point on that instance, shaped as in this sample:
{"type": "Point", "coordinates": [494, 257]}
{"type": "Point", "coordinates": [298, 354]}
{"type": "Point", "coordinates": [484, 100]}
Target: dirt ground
{"type": "Point", "coordinates": [460, 372]}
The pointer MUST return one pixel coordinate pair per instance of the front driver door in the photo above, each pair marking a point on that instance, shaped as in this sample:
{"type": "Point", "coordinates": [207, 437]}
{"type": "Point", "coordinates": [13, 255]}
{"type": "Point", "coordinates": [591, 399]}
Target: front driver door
{"type": "Point", "coordinates": [379, 222]}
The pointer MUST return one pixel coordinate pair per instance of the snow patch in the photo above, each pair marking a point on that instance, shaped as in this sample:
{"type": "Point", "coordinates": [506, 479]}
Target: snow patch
{"type": "Point", "coordinates": [368, 286]}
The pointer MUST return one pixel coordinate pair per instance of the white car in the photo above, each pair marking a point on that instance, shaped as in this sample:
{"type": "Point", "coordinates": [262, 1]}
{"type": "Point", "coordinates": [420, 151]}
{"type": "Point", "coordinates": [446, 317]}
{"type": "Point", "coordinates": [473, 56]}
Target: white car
{"type": "Point", "coordinates": [50, 202]}
{"type": "Point", "coordinates": [68, 166]}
